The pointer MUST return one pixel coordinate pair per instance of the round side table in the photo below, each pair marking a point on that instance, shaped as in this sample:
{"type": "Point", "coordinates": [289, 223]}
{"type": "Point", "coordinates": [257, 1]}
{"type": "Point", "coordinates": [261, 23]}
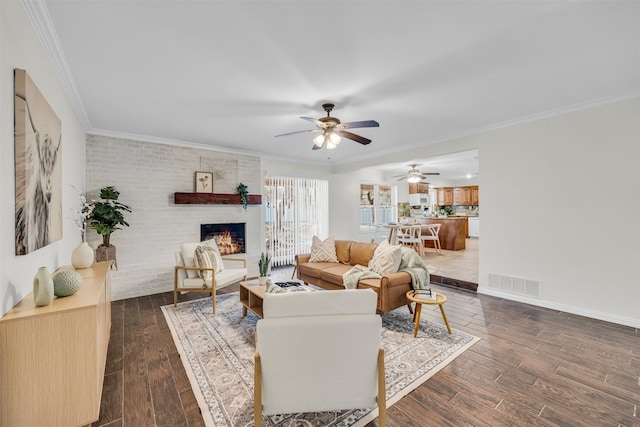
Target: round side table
{"type": "Point", "coordinates": [413, 296]}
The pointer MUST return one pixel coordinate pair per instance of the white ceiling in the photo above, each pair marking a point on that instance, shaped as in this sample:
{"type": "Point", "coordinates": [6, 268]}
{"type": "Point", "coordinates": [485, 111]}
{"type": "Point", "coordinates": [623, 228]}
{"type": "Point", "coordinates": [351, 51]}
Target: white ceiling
{"type": "Point", "coordinates": [232, 74]}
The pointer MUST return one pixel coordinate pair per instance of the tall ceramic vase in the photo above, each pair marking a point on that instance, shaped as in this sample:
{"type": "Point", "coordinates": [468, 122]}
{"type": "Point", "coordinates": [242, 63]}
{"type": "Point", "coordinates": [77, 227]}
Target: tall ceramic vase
{"type": "Point", "coordinates": [42, 287]}
{"type": "Point", "coordinates": [82, 256]}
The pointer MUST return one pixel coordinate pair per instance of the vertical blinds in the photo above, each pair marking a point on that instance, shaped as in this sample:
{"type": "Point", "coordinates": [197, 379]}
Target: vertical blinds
{"type": "Point", "coordinates": [296, 210]}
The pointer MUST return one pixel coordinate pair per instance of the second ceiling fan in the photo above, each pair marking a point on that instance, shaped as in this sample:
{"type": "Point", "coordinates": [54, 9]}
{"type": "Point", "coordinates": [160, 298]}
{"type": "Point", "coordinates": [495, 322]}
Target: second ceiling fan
{"type": "Point", "coordinates": [333, 130]}
{"type": "Point", "coordinates": [414, 175]}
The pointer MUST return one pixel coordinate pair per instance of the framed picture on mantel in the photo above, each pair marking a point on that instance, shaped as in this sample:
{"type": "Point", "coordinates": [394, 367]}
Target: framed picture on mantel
{"type": "Point", "coordinates": [204, 182]}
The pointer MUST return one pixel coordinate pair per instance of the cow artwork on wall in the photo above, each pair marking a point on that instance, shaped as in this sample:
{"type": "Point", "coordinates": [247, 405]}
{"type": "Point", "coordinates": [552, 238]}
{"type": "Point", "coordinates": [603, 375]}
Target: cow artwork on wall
{"type": "Point", "coordinates": [38, 137]}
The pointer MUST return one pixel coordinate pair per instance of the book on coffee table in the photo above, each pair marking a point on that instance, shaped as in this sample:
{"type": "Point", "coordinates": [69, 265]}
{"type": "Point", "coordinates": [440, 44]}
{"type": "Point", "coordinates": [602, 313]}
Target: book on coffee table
{"type": "Point", "coordinates": [424, 294]}
{"type": "Point", "coordinates": [293, 286]}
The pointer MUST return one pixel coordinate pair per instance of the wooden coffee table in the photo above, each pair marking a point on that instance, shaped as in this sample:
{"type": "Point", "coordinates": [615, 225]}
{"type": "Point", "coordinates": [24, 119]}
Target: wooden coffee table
{"type": "Point", "coordinates": [251, 297]}
{"type": "Point", "coordinates": [440, 300]}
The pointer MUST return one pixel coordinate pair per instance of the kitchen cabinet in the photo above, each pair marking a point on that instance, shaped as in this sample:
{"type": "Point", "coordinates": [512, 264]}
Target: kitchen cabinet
{"type": "Point", "coordinates": [445, 196]}
{"type": "Point", "coordinates": [475, 195]}
{"type": "Point", "coordinates": [462, 196]}
{"type": "Point", "coordinates": [418, 188]}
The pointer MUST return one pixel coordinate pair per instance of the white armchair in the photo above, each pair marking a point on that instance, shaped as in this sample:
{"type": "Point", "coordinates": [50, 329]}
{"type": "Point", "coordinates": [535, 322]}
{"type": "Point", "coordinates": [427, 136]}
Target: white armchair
{"type": "Point", "coordinates": [319, 351]}
{"type": "Point", "coordinates": [224, 271]}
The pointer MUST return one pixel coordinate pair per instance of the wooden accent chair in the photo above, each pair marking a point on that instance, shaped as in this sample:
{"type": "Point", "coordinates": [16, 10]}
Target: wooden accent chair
{"type": "Point", "coordinates": [319, 351]}
{"type": "Point", "coordinates": [186, 277]}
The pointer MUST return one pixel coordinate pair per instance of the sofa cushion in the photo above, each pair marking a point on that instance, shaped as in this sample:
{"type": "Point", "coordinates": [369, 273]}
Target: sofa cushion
{"type": "Point", "coordinates": [386, 258]}
{"type": "Point", "coordinates": [334, 274]}
{"type": "Point", "coordinates": [361, 253]}
{"type": "Point", "coordinates": [313, 269]}
{"type": "Point", "coordinates": [343, 251]}
{"type": "Point", "coordinates": [323, 250]}
{"type": "Point", "coordinates": [223, 278]}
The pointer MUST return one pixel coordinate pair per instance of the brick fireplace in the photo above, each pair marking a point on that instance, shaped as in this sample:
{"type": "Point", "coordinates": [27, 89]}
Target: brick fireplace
{"type": "Point", "coordinates": [230, 237]}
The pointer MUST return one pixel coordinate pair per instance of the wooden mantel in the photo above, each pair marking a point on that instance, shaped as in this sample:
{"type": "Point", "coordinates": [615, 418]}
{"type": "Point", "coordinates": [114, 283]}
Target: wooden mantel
{"type": "Point", "coordinates": [213, 199]}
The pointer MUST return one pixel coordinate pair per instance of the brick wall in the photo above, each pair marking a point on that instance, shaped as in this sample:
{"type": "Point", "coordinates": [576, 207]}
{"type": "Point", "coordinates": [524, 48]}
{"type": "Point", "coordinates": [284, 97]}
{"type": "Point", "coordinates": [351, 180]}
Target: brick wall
{"type": "Point", "coordinates": [147, 174]}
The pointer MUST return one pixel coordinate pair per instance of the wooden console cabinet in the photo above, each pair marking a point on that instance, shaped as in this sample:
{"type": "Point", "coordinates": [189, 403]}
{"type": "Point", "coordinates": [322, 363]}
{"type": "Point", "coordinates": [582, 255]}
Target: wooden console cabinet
{"type": "Point", "coordinates": [52, 358]}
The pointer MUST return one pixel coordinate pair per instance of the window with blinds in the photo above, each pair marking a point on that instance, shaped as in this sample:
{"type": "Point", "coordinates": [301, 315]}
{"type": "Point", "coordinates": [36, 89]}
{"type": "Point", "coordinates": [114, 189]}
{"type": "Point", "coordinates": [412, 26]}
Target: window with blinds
{"type": "Point", "coordinates": [296, 210]}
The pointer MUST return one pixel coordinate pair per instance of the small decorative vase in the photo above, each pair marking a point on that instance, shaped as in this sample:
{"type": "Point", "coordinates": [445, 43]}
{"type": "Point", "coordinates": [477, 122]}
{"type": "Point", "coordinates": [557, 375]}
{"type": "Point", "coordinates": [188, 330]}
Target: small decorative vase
{"type": "Point", "coordinates": [66, 283]}
{"type": "Point", "coordinates": [262, 280]}
{"type": "Point", "coordinates": [82, 256]}
{"type": "Point", "coordinates": [42, 287]}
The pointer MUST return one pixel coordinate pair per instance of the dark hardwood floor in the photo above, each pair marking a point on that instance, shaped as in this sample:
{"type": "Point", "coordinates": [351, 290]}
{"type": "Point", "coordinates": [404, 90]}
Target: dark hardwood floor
{"type": "Point", "coordinates": [532, 366]}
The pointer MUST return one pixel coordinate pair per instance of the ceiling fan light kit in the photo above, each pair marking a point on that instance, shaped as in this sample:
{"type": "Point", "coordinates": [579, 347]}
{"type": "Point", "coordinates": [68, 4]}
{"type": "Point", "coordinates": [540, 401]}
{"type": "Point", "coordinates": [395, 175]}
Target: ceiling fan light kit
{"type": "Point", "coordinates": [333, 130]}
{"type": "Point", "coordinates": [414, 175]}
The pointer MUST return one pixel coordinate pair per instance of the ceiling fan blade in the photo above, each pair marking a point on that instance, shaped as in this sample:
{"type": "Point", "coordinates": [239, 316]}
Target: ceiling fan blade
{"type": "Point", "coordinates": [404, 177]}
{"type": "Point", "coordinates": [352, 136]}
{"type": "Point", "coordinates": [314, 121]}
{"type": "Point", "coordinates": [298, 131]}
{"type": "Point", "coordinates": [430, 173]}
{"type": "Point", "coordinates": [361, 124]}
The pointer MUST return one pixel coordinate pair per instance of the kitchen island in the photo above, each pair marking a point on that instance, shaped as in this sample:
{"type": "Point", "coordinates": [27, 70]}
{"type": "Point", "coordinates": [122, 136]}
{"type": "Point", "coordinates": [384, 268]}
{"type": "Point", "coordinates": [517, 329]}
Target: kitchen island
{"type": "Point", "coordinates": [452, 231]}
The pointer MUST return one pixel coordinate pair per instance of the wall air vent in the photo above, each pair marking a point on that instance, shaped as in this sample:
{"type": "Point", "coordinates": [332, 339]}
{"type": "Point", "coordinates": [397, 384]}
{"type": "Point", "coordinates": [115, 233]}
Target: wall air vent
{"type": "Point", "coordinates": [514, 285]}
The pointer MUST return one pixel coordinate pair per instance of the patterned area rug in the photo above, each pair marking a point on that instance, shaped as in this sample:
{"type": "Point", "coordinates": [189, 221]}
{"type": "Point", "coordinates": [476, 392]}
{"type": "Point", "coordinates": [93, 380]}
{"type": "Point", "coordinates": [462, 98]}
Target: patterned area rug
{"type": "Point", "coordinates": [217, 351]}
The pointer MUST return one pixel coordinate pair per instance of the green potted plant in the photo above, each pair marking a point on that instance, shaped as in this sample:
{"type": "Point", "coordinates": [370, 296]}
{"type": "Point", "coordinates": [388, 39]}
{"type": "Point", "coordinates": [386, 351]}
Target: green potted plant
{"type": "Point", "coordinates": [263, 267]}
{"type": "Point", "coordinates": [243, 191]}
{"type": "Point", "coordinates": [106, 216]}
{"type": "Point", "coordinates": [405, 210]}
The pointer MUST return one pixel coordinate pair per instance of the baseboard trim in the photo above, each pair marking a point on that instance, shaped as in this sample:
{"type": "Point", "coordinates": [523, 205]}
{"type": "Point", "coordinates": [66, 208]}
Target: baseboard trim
{"type": "Point", "coordinates": [592, 314]}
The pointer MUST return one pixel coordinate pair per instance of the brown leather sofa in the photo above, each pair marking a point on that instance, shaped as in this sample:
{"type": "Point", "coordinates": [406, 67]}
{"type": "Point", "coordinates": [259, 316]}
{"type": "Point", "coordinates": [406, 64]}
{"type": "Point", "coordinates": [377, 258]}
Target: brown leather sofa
{"type": "Point", "coordinates": [391, 288]}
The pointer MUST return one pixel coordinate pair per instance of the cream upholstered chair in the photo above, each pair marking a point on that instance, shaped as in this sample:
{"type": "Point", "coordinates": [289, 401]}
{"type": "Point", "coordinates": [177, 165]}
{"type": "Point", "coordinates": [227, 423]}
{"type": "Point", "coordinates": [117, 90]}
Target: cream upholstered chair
{"type": "Point", "coordinates": [432, 235]}
{"type": "Point", "coordinates": [319, 351]}
{"type": "Point", "coordinates": [224, 271]}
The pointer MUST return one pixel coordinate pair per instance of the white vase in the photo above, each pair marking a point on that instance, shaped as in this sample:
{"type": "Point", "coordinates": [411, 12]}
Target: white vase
{"type": "Point", "coordinates": [262, 280]}
{"type": "Point", "coordinates": [82, 256]}
{"type": "Point", "coordinates": [42, 287]}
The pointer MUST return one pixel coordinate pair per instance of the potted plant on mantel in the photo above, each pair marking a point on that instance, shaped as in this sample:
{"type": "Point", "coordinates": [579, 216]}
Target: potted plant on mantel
{"type": "Point", "coordinates": [263, 268]}
{"type": "Point", "coordinates": [106, 215]}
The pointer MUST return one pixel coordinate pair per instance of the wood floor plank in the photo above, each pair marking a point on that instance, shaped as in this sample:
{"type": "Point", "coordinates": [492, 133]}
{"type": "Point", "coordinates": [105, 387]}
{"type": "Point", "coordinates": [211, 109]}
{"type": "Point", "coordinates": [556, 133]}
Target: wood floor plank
{"type": "Point", "coordinates": [191, 409]}
{"type": "Point", "coordinates": [167, 406]}
{"type": "Point", "coordinates": [112, 392]}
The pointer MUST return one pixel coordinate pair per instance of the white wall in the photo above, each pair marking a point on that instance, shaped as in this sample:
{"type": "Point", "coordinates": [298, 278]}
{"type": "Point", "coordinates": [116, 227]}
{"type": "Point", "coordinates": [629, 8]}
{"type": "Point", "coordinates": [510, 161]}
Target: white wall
{"type": "Point", "coordinates": [147, 174]}
{"type": "Point", "coordinates": [542, 218]}
{"type": "Point", "coordinates": [19, 48]}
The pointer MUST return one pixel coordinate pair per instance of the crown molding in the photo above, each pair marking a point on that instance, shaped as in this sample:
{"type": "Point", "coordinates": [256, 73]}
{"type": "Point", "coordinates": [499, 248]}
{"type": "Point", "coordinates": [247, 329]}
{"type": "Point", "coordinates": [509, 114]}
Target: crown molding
{"type": "Point", "coordinates": [40, 19]}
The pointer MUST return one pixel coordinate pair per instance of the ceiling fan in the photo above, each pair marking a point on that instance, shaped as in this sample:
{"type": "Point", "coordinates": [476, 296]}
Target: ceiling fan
{"type": "Point", "coordinates": [414, 175]}
{"type": "Point", "coordinates": [333, 130]}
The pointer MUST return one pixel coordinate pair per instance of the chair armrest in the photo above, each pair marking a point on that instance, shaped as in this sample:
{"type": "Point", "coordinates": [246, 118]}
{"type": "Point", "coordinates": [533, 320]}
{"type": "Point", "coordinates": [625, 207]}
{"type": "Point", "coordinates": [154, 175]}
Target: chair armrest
{"type": "Point", "coordinates": [242, 260]}
{"type": "Point", "coordinates": [397, 279]}
{"type": "Point", "coordinates": [302, 258]}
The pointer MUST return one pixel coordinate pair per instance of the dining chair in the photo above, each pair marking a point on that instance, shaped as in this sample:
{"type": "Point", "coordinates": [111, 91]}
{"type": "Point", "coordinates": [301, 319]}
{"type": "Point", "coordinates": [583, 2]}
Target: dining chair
{"type": "Point", "coordinates": [409, 235]}
{"type": "Point", "coordinates": [432, 235]}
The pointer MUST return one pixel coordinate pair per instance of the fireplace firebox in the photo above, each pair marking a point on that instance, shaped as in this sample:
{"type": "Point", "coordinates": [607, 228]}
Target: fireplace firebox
{"type": "Point", "coordinates": [230, 238]}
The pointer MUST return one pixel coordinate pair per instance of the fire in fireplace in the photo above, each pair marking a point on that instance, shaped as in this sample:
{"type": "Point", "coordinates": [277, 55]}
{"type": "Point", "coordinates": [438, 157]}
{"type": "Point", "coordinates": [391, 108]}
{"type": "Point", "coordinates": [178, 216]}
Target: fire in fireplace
{"type": "Point", "coordinates": [230, 238]}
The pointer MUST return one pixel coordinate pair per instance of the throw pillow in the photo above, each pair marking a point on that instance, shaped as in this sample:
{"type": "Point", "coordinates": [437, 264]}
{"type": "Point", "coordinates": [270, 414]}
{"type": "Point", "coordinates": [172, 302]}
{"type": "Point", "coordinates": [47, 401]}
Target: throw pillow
{"type": "Point", "coordinates": [188, 250]}
{"type": "Point", "coordinates": [323, 250]}
{"type": "Point", "coordinates": [386, 258]}
{"type": "Point", "coordinates": [204, 258]}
